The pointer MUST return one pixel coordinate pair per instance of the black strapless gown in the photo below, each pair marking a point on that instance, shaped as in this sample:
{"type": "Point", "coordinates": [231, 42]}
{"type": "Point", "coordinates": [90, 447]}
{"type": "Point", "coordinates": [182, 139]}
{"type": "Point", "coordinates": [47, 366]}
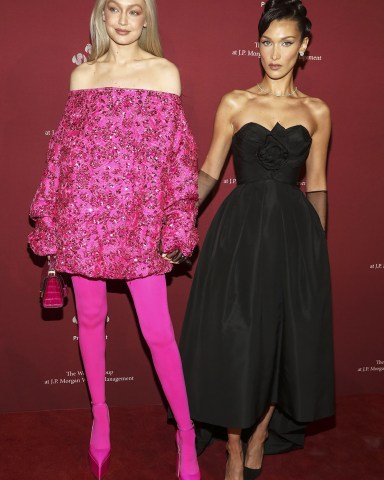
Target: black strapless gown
{"type": "Point", "coordinates": [258, 326]}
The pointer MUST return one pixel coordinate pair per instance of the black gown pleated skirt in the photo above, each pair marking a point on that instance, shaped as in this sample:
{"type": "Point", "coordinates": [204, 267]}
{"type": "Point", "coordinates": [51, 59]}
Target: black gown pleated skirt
{"type": "Point", "coordinates": [258, 326]}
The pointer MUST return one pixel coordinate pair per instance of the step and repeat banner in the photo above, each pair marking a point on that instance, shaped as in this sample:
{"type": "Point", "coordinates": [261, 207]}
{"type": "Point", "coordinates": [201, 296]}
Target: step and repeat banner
{"type": "Point", "coordinates": [215, 45]}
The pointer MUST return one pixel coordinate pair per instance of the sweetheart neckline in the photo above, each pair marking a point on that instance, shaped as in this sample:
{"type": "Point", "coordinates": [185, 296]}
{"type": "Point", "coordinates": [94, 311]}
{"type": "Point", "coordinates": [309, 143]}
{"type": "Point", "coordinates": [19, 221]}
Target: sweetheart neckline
{"type": "Point", "coordinates": [271, 130]}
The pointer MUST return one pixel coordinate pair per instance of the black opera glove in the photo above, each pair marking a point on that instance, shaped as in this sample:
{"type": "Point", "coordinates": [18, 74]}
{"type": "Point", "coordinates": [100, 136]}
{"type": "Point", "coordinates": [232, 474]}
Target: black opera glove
{"type": "Point", "coordinates": [319, 201]}
{"type": "Point", "coordinates": [206, 184]}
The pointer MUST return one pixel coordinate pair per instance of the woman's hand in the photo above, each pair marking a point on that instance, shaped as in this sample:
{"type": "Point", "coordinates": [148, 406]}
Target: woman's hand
{"type": "Point", "coordinates": [175, 257]}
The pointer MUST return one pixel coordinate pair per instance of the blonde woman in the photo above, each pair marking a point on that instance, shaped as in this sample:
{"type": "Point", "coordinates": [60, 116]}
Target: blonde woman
{"type": "Point", "coordinates": [117, 200]}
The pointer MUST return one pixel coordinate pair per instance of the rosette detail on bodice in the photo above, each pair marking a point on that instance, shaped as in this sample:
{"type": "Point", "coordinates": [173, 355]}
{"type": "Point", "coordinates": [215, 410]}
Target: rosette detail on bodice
{"type": "Point", "coordinates": [277, 154]}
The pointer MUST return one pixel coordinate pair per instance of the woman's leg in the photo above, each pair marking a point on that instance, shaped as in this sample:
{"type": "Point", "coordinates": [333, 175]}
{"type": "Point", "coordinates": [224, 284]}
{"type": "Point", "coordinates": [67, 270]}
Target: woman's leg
{"type": "Point", "coordinates": [91, 306]}
{"type": "Point", "coordinates": [150, 297]}
{"type": "Point", "coordinates": [255, 450]}
{"type": "Point", "coordinates": [234, 469]}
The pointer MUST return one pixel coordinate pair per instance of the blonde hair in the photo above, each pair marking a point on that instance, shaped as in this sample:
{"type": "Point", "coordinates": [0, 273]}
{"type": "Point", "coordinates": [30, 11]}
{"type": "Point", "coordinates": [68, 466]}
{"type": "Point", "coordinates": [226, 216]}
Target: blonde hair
{"type": "Point", "coordinates": [149, 40]}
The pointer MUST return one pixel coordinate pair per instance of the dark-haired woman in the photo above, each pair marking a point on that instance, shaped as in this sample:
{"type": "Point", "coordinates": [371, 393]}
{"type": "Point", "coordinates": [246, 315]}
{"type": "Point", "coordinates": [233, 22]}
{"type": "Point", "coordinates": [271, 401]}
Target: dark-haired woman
{"type": "Point", "coordinates": [117, 200]}
{"type": "Point", "coordinates": [257, 338]}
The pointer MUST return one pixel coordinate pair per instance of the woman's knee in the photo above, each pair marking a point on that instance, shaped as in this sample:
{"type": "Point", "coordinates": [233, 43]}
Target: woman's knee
{"type": "Point", "coordinates": [158, 337]}
{"type": "Point", "coordinates": [92, 314]}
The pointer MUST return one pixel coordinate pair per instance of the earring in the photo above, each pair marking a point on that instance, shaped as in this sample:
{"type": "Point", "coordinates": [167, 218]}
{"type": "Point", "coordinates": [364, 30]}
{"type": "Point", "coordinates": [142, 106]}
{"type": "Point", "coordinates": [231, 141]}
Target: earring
{"type": "Point", "coordinates": [302, 54]}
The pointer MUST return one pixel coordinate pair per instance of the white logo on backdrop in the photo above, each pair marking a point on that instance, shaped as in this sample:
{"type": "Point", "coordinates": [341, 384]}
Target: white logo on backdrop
{"type": "Point", "coordinates": [376, 266]}
{"type": "Point", "coordinates": [254, 52]}
{"type": "Point", "coordinates": [313, 58]}
{"type": "Point", "coordinates": [247, 52]}
{"type": "Point", "coordinates": [73, 377]}
{"type": "Point", "coordinates": [229, 181]}
{"type": "Point", "coordinates": [75, 338]}
{"type": "Point", "coordinates": [80, 58]}
{"type": "Point", "coordinates": [377, 367]}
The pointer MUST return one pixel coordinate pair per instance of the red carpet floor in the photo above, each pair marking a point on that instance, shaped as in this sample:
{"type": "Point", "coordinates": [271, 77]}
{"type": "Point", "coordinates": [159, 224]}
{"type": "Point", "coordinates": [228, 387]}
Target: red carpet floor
{"type": "Point", "coordinates": [53, 446]}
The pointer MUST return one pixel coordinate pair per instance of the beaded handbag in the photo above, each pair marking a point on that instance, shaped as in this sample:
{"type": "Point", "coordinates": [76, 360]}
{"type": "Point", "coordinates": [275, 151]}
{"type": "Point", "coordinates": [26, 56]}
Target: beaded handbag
{"type": "Point", "coordinates": [53, 290]}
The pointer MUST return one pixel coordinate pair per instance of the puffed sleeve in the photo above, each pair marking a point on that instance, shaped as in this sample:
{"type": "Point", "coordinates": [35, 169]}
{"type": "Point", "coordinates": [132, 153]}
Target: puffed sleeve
{"type": "Point", "coordinates": [179, 226]}
{"type": "Point", "coordinates": [43, 209]}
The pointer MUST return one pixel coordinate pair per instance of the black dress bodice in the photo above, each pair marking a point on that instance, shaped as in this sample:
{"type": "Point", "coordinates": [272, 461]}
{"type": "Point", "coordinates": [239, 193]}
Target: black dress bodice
{"type": "Point", "coordinates": [278, 154]}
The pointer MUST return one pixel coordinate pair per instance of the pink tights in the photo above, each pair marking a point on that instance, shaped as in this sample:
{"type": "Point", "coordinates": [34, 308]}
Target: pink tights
{"type": "Point", "coordinates": [150, 299]}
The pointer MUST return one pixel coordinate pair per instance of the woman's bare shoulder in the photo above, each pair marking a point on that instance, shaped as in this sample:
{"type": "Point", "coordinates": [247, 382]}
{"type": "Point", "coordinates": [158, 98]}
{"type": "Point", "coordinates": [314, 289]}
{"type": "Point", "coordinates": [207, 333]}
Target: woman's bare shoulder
{"type": "Point", "coordinates": [317, 107]}
{"type": "Point", "coordinates": [165, 74]}
{"type": "Point", "coordinates": [164, 64]}
{"type": "Point", "coordinates": [320, 113]}
{"type": "Point", "coordinates": [235, 100]}
{"type": "Point", "coordinates": [81, 75]}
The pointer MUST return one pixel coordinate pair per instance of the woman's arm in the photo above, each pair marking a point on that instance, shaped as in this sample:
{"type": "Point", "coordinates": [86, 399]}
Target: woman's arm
{"type": "Point", "coordinates": [179, 233]}
{"type": "Point", "coordinates": [222, 137]}
{"type": "Point", "coordinates": [316, 177]}
{"type": "Point", "coordinates": [43, 209]}
{"type": "Point", "coordinates": [220, 145]}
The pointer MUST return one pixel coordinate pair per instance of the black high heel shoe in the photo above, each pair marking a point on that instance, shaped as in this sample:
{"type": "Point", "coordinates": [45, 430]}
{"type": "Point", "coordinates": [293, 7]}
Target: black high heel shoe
{"type": "Point", "coordinates": [250, 473]}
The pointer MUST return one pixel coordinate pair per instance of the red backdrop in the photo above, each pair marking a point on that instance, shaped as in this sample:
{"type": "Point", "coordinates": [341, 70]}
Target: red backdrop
{"type": "Point", "coordinates": [215, 46]}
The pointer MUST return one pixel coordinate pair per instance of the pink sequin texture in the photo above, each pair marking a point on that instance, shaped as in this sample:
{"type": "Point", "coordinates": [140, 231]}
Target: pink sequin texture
{"type": "Point", "coordinates": [121, 176]}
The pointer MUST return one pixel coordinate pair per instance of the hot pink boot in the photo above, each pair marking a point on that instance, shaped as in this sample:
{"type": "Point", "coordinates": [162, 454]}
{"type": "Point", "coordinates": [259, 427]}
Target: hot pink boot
{"type": "Point", "coordinates": [99, 447]}
{"type": "Point", "coordinates": [150, 298]}
{"type": "Point", "coordinates": [91, 306]}
{"type": "Point", "coordinates": [187, 462]}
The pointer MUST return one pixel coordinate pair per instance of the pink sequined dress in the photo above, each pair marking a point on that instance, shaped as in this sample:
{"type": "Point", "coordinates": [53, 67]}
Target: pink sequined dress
{"type": "Point", "coordinates": [121, 177]}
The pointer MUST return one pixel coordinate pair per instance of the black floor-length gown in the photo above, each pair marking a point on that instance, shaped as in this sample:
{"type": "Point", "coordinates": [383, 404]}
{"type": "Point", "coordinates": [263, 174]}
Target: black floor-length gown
{"type": "Point", "coordinates": [258, 326]}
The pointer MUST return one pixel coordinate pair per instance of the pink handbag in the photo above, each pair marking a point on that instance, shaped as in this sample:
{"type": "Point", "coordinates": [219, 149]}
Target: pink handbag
{"type": "Point", "coordinates": [53, 290]}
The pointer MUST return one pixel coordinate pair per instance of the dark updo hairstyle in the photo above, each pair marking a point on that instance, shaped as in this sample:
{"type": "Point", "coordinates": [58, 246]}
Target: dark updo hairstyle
{"type": "Point", "coordinates": [285, 10]}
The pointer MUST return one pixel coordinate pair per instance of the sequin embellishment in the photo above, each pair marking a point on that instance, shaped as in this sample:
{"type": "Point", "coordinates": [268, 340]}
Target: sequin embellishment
{"type": "Point", "coordinates": [121, 176]}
